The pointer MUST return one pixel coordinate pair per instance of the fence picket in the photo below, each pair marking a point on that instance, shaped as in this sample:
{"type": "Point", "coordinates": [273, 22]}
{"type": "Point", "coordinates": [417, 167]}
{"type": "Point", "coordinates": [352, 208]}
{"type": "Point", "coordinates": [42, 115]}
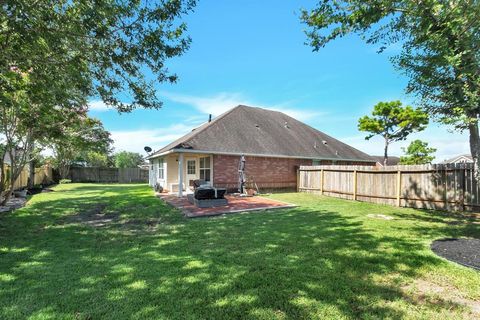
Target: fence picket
{"type": "Point", "coordinates": [421, 186]}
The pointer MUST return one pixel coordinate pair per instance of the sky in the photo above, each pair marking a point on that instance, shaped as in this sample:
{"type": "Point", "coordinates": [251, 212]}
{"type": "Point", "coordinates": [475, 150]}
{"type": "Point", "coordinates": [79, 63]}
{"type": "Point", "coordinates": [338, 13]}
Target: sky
{"type": "Point", "coordinates": [254, 53]}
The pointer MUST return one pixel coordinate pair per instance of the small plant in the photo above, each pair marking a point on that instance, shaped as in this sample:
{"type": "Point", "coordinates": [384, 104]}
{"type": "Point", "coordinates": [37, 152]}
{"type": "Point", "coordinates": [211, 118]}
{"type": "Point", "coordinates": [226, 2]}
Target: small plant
{"type": "Point", "coordinates": [63, 181]}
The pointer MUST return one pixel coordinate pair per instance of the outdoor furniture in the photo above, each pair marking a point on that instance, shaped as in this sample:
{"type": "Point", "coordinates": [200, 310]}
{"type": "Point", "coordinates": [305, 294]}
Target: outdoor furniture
{"type": "Point", "coordinates": [206, 196]}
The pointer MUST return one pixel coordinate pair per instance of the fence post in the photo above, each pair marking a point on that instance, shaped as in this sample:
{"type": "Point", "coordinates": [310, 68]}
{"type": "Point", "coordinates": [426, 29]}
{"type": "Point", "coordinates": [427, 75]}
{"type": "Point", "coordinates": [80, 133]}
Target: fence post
{"type": "Point", "coordinates": [399, 186]}
{"type": "Point", "coordinates": [321, 181]}
{"type": "Point", "coordinates": [354, 184]}
{"type": "Point", "coordinates": [298, 179]}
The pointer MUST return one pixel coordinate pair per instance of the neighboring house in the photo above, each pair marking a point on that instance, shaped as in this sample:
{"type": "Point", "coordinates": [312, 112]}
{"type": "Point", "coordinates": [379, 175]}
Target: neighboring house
{"type": "Point", "coordinates": [274, 146]}
{"type": "Point", "coordinates": [391, 161]}
{"type": "Point", "coordinates": [464, 158]}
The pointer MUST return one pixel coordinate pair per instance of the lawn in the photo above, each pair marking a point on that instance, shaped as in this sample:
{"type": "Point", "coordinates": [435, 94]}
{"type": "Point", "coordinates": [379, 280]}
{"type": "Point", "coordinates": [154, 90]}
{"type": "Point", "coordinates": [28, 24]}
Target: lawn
{"type": "Point", "coordinates": [92, 251]}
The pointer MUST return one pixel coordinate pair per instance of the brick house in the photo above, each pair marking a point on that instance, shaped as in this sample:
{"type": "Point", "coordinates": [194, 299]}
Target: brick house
{"type": "Point", "coordinates": [273, 143]}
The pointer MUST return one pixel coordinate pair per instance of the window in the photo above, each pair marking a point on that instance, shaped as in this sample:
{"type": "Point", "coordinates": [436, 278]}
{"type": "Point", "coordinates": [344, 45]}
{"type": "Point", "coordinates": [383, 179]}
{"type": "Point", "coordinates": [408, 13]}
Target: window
{"type": "Point", "coordinates": [205, 168]}
{"type": "Point", "coordinates": [191, 167]}
{"type": "Point", "coordinates": [161, 169]}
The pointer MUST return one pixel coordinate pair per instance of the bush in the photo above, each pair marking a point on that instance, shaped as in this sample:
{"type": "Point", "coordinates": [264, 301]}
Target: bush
{"type": "Point", "coordinates": [63, 181]}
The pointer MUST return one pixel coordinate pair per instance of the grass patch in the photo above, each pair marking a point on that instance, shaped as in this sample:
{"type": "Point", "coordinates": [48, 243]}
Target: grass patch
{"type": "Point", "coordinates": [92, 251]}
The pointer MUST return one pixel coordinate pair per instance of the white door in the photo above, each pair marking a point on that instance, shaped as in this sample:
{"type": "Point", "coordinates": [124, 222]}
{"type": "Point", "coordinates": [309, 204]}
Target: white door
{"type": "Point", "coordinates": [191, 171]}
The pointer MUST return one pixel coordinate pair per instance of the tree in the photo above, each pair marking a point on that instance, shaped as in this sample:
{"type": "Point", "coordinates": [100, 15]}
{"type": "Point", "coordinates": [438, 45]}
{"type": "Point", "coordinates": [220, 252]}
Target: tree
{"type": "Point", "coordinates": [101, 47]}
{"type": "Point", "coordinates": [125, 159]}
{"type": "Point", "coordinates": [22, 123]}
{"type": "Point", "coordinates": [440, 43]}
{"type": "Point", "coordinates": [83, 136]}
{"type": "Point", "coordinates": [56, 54]}
{"type": "Point", "coordinates": [392, 122]}
{"type": "Point", "coordinates": [418, 152]}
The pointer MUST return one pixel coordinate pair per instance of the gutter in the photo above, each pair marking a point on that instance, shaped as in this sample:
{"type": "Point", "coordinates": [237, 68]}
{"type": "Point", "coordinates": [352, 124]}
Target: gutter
{"type": "Point", "coordinates": [250, 155]}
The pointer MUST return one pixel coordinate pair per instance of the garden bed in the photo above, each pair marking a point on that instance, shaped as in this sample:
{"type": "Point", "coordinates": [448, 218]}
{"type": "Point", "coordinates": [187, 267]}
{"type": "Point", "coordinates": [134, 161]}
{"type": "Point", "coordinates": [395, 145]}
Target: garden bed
{"type": "Point", "coordinates": [463, 251]}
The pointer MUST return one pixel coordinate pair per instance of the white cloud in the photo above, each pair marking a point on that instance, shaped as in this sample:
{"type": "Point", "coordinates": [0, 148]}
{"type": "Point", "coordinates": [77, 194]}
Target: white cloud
{"type": "Point", "coordinates": [135, 140]}
{"type": "Point", "coordinates": [224, 101]}
{"type": "Point", "coordinates": [447, 144]}
{"type": "Point", "coordinates": [98, 105]}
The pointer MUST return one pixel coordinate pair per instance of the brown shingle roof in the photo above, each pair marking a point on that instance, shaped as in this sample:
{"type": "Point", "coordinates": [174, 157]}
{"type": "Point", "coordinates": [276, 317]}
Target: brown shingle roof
{"type": "Point", "coordinates": [257, 131]}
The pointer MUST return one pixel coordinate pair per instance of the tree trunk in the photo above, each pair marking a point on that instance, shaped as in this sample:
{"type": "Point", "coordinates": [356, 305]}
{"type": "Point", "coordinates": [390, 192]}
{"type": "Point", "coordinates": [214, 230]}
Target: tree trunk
{"type": "Point", "coordinates": [31, 174]}
{"type": "Point", "coordinates": [9, 193]}
{"type": "Point", "coordinates": [475, 147]}
{"type": "Point", "coordinates": [385, 153]}
{"type": "Point", "coordinates": [3, 181]}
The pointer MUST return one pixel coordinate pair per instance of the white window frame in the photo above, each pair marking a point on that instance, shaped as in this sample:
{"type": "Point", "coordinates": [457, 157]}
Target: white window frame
{"type": "Point", "coordinates": [161, 169]}
{"type": "Point", "coordinates": [200, 168]}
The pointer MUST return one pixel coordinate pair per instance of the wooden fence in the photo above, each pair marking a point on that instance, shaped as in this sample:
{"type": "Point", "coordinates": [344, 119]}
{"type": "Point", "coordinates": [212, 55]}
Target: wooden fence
{"type": "Point", "coordinates": [450, 187]}
{"type": "Point", "coordinates": [108, 175]}
{"type": "Point", "coordinates": [43, 175]}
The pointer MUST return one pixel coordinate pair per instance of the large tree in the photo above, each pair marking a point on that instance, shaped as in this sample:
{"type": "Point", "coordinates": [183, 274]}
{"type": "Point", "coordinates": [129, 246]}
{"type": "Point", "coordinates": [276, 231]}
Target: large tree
{"type": "Point", "coordinates": [392, 122]}
{"type": "Point", "coordinates": [55, 55]}
{"type": "Point", "coordinates": [440, 50]}
{"type": "Point", "coordinates": [418, 152]}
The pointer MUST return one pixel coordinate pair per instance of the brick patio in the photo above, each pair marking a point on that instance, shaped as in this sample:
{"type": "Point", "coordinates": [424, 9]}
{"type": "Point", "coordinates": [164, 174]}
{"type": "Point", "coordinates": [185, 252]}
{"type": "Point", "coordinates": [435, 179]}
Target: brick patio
{"type": "Point", "coordinates": [235, 204]}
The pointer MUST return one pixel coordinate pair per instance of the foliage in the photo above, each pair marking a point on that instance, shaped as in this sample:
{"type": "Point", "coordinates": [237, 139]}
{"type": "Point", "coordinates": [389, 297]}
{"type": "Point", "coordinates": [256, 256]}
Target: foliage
{"type": "Point", "coordinates": [84, 135]}
{"type": "Point", "coordinates": [64, 181]}
{"type": "Point", "coordinates": [101, 48]}
{"type": "Point", "coordinates": [126, 159]}
{"type": "Point", "coordinates": [440, 45]}
{"type": "Point", "coordinates": [325, 259]}
{"type": "Point", "coordinates": [418, 152]}
{"type": "Point", "coordinates": [393, 122]}
{"type": "Point", "coordinates": [96, 159]}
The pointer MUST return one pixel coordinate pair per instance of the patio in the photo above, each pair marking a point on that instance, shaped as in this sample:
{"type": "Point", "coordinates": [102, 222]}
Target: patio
{"type": "Point", "coordinates": [235, 204]}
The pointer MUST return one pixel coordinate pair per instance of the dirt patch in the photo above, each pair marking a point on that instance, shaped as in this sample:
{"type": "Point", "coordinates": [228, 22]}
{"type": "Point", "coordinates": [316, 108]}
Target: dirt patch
{"type": "Point", "coordinates": [99, 216]}
{"type": "Point", "coordinates": [380, 216]}
{"type": "Point", "coordinates": [463, 251]}
{"type": "Point", "coordinates": [425, 292]}
{"type": "Point", "coordinates": [93, 216]}
{"type": "Point", "coordinates": [138, 225]}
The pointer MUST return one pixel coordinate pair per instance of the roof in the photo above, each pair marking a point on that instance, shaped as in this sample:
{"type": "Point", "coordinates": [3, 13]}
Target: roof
{"type": "Point", "coordinates": [256, 131]}
{"type": "Point", "coordinates": [458, 158]}
{"type": "Point", "coordinates": [392, 160]}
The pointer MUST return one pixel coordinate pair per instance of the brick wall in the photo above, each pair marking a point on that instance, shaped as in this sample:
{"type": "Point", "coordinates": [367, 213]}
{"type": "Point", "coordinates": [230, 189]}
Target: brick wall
{"type": "Point", "coordinates": [267, 173]}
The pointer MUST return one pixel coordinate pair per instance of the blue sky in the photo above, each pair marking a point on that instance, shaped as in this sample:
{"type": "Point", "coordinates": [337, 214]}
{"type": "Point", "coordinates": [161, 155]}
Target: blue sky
{"type": "Point", "coordinates": [254, 53]}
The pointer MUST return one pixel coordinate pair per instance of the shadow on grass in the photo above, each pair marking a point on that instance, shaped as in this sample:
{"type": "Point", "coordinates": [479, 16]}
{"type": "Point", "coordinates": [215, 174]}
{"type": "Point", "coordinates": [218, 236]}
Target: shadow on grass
{"type": "Point", "coordinates": [296, 263]}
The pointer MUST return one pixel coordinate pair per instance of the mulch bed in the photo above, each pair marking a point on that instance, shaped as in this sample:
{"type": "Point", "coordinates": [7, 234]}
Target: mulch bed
{"type": "Point", "coordinates": [463, 251]}
{"type": "Point", "coordinates": [13, 204]}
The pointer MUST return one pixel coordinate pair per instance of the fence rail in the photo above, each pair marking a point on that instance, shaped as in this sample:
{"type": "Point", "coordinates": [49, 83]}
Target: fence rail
{"type": "Point", "coordinates": [108, 175]}
{"type": "Point", "coordinates": [450, 187]}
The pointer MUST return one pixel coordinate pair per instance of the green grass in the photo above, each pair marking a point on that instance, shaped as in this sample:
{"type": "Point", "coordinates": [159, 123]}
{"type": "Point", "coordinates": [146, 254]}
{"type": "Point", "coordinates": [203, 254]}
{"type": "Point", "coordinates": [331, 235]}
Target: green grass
{"type": "Point", "coordinates": [323, 259]}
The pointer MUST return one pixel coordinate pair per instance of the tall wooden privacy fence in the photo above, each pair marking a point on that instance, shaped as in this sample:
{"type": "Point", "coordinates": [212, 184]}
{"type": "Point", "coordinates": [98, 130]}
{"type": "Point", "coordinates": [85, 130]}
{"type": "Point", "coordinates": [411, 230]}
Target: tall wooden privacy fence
{"type": "Point", "coordinates": [451, 187]}
{"type": "Point", "coordinates": [108, 175]}
{"type": "Point", "coordinates": [43, 175]}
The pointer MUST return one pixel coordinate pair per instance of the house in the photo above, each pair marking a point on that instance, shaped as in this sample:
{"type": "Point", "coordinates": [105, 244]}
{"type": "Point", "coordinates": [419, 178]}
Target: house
{"type": "Point", "coordinates": [463, 158]}
{"type": "Point", "coordinates": [391, 161]}
{"type": "Point", "coordinates": [273, 143]}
